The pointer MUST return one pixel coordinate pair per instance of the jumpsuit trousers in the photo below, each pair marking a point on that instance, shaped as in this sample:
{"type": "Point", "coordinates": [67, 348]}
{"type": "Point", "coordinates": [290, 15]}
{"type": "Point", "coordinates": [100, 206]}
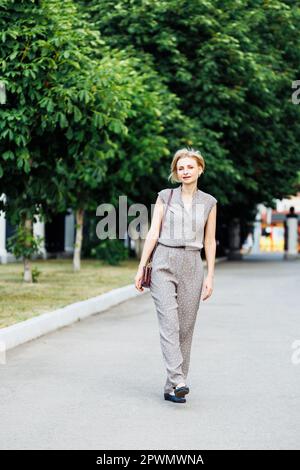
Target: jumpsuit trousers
{"type": "Point", "coordinates": [176, 284]}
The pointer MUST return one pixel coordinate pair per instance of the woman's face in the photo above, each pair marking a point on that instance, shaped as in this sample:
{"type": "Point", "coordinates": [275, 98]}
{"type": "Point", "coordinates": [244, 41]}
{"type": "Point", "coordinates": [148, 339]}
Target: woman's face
{"type": "Point", "coordinates": [188, 170]}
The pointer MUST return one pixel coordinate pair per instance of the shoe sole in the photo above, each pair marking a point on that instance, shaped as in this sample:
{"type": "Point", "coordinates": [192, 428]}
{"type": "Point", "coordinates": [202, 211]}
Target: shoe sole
{"type": "Point", "coordinates": [181, 392]}
{"type": "Point", "coordinates": [172, 398]}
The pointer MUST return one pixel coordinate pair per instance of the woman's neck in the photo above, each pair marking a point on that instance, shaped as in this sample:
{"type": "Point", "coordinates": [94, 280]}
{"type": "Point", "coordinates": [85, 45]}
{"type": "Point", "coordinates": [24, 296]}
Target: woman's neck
{"type": "Point", "coordinates": [189, 191]}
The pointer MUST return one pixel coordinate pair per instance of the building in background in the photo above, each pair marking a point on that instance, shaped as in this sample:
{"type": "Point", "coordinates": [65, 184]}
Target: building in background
{"type": "Point", "coordinates": [269, 233]}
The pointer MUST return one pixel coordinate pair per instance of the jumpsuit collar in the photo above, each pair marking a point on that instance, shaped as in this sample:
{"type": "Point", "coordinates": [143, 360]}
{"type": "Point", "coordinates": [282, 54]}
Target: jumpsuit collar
{"type": "Point", "coordinates": [196, 196]}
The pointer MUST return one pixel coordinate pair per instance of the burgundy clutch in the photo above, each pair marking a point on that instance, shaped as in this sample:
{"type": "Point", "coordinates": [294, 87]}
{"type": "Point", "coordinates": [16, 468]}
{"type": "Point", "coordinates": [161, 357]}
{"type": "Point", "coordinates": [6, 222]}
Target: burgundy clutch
{"type": "Point", "coordinates": [146, 278]}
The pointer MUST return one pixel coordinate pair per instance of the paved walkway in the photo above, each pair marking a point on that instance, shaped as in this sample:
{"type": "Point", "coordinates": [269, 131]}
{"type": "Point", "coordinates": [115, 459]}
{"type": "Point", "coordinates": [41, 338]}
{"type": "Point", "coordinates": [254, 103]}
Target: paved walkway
{"type": "Point", "coordinates": [98, 384]}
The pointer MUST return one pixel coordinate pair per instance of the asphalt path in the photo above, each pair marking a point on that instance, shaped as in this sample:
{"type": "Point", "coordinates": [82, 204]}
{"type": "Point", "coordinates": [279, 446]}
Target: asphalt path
{"type": "Point", "coordinates": [98, 384]}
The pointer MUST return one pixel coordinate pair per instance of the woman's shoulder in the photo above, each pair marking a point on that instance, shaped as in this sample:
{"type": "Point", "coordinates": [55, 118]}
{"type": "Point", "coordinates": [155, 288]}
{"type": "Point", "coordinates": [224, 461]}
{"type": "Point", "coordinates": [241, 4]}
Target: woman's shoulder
{"type": "Point", "coordinates": [164, 193]}
{"type": "Point", "coordinates": [208, 197]}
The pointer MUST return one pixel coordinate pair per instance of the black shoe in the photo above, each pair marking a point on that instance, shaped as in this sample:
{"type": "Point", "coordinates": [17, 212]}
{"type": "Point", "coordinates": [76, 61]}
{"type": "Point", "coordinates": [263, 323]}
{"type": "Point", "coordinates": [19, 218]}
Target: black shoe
{"type": "Point", "coordinates": [170, 397]}
{"type": "Point", "coordinates": [181, 391]}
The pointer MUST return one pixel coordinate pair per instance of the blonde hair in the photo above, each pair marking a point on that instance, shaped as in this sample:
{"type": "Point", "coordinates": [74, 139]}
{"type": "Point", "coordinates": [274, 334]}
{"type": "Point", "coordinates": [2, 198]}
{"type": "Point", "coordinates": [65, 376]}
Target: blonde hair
{"type": "Point", "coordinates": [185, 152]}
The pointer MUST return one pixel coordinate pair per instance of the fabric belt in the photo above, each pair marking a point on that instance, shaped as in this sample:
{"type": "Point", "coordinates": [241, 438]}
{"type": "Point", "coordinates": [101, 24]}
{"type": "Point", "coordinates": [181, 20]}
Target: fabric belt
{"type": "Point", "coordinates": [180, 246]}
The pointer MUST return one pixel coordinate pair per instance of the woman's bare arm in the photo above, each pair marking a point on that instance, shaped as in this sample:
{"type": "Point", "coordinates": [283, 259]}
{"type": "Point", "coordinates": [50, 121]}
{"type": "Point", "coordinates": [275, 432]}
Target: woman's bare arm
{"type": "Point", "coordinates": [210, 240]}
{"type": "Point", "coordinates": [153, 233]}
{"type": "Point", "coordinates": [210, 250]}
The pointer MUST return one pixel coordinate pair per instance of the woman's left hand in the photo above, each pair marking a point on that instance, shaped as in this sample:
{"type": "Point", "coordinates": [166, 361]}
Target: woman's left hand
{"type": "Point", "coordinates": [207, 288]}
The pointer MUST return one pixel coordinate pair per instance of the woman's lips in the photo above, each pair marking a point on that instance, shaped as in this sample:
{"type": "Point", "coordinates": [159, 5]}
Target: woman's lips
{"type": "Point", "coordinates": [186, 177]}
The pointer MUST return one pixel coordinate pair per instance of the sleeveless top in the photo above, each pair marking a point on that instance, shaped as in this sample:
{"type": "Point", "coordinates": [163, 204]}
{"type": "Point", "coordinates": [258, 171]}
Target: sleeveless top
{"type": "Point", "coordinates": [183, 226]}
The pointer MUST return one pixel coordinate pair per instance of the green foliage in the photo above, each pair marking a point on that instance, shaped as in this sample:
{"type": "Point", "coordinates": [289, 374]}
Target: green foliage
{"type": "Point", "coordinates": [231, 65]}
{"type": "Point", "coordinates": [110, 251]}
{"type": "Point", "coordinates": [23, 244]}
{"type": "Point", "coordinates": [75, 110]}
{"type": "Point", "coordinates": [99, 95]}
{"type": "Point", "coordinates": [35, 272]}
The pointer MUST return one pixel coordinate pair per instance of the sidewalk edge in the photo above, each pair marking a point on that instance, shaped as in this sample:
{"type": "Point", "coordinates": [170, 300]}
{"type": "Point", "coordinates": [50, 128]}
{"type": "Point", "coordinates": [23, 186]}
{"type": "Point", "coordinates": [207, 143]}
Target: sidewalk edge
{"type": "Point", "coordinates": [19, 333]}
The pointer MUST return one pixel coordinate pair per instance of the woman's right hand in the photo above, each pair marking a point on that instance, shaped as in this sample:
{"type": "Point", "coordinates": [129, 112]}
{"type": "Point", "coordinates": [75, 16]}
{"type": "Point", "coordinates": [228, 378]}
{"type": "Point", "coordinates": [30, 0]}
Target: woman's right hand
{"type": "Point", "coordinates": [138, 279]}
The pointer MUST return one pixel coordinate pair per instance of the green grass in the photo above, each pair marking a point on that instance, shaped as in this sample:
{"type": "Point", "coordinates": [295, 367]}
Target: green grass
{"type": "Point", "coordinates": [57, 286]}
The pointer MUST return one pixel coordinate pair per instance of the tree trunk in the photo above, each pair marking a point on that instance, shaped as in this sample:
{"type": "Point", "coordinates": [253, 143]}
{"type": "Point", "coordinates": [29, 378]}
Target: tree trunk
{"type": "Point", "coordinates": [78, 240]}
{"type": "Point", "coordinates": [27, 265]}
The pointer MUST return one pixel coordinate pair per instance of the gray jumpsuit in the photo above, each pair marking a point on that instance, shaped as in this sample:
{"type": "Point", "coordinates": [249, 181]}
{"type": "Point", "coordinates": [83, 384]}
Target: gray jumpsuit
{"type": "Point", "coordinates": [177, 278]}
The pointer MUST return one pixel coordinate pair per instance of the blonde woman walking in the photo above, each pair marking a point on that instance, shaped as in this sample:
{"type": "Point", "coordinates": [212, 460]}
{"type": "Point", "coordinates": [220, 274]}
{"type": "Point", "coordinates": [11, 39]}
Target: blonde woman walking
{"type": "Point", "coordinates": [177, 278]}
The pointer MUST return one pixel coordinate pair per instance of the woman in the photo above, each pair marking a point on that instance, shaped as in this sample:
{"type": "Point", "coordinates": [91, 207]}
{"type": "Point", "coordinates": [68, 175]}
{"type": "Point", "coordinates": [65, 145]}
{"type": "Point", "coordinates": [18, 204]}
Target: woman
{"type": "Point", "coordinates": [177, 277]}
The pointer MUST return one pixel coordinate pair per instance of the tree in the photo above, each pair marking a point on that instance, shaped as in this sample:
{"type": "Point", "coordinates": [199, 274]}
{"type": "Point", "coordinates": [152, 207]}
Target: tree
{"type": "Point", "coordinates": [231, 64]}
{"type": "Point", "coordinates": [73, 106]}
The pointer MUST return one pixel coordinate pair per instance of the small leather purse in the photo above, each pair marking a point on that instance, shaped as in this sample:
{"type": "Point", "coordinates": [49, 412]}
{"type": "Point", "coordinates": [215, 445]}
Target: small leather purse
{"type": "Point", "coordinates": [146, 279]}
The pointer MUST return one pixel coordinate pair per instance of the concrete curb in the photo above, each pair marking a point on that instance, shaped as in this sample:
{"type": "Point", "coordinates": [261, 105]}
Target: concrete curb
{"type": "Point", "coordinates": [14, 335]}
{"type": "Point", "coordinates": [47, 322]}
